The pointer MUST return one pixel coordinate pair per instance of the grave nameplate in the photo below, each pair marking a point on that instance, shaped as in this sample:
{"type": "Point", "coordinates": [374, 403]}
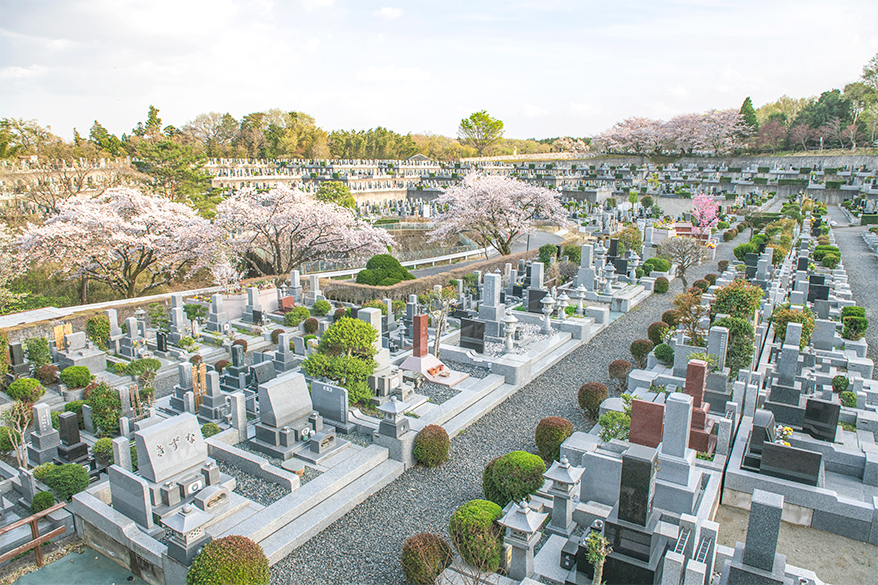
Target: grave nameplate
{"type": "Point", "coordinates": [621, 266]}
{"type": "Point", "coordinates": [257, 317]}
{"type": "Point", "coordinates": [533, 300]}
{"type": "Point", "coordinates": [821, 419]}
{"type": "Point", "coordinates": [637, 484]}
{"type": "Point", "coordinates": [818, 292]}
{"type": "Point", "coordinates": [751, 259]}
{"type": "Point", "coordinates": [472, 335]}
{"type": "Point", "coordinates": [518, 291]}
{"type": "Point", "coordinates": [161, 341]}
{"type": "Point", "coordinates": [170, 447]}
{"type": "Point", "coordinates": [263, 372]}
{"type": "Point", "coordinates": [790, 463]}
{"type": "Point", "coordinates": [802, 263]}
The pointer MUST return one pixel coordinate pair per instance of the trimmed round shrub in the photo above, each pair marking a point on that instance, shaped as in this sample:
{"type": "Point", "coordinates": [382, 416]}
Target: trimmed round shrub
{"type": "Point", "coordinates": [664, 353]}
{"type": "Point", "coordinates": [26, 390]}
{"type": "Point", "coordinates": [730, 235]}
{"type": "Point", "coordinates": [275, 335]}
{"type": "Point", "coordinates": [656, 332]}
{"type": "Point", "coordinates": [45, 500]}
{"type": "Point", "coordinates": [67, 480]}
{"type": "Point", "coordinates": [46, 374]}
{"type": "Point", "coordinates": [339, 313]}
{"type": "Point", "coordinates": [5, 441]}
{"type": "Point", "coordinates": [296, 315]}
{"type": "Point", "coordinates": [517, 476]}
{"type": "Point", "coordinates": [310, 325]}
{"type": "Point", "coordinates": [221, 365]}
{"type": "Point", "coordinates": [383, 270]}
{"type": "Point", "coordinates": [489, 488]}
{"type": "Point", "coordinates": [476, 534]}
{"type": "Point", "coordinates": [103, 451]}
{"type": "Point", "coordinates": [618, 370]}
{"type": "Point", "coordinates": [231, 560]}
{"type": "Point", "coordinates": [550, 433]}
{"type": "Point", "coordinates": [76, 376]}
{"type": "Point", "coordinates": [590, 397]}
{"type": "Point", "coordinates": [671, 317]}
{"type": "Point", "coordinates": [848, 399]}
{"type": "Point", "coordinates": [321, 307]}
{"type": "Point", "coordinates": [242, 342]}
{"type": "Point", "coordinates": [431, 446]}
{"type": "Point", "coordinates": [785, 314]}
{"type": "Point", "coordinates": [840, 383]}
{"type": "Point", "coordinates": [722, 265]}
{"type": "Point", "coordinates": [711, 278]}
{"type": "Point", "coordinates": [830, 260]}
{"type": "Point", "coordinates": [639, 349]}
{"type": "Point", "coordinates": [424, 557]}
{"type": "Point", "coordinates": [701, 283]}
{"type": "Point", "coordinates": [209, 429]}
{"type": "Point", "coordinates": [657, 264]}
{"type": "Point", "coordinates": [661, 285]}
{"type": "Point", "coordinates": [196, 360]}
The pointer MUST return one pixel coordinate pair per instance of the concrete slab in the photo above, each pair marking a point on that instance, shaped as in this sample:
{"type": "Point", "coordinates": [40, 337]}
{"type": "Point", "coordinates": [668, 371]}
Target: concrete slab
{"type": "Point", "coordinates": [88, 568]}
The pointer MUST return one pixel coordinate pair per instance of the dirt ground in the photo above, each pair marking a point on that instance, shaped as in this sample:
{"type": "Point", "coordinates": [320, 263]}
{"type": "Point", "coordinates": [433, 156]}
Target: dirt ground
{"type": "Point", "coordinates": [835, 559]}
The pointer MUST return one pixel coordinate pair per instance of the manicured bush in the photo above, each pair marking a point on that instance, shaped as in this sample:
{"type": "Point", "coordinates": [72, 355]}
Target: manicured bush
{"type": "Point", "coordinates": [848, 399]}
{"type": "Point", "coordinates": [296, 315]}
{"type": "Point", "coordinates": [424, 557]}
{"type": "Point", "coordinates": [56, 419]}
{"type": "Point", "coordinates": [383, 270]}
{"type": "Point", "coordinates": [45, 500]}
{"type": "Point", "coordinates": [590, 396]}
{"type": "Point", "coordinates": [516, 476]}
{"type": "Point", "coordinates": [657, 264]}
{"type": "Point", "coordinates": [489, 488]}
{"type": "Point", "coordinates": [830, 261]}
{"type": "Point", "coordinates": [664, 353]}
{"type": "Point", "coordinates": [740, 348]}
{"type": "Point", "coordinates": [275, 335]}
{"type": "Point", "coordinates": [231, 560]}
{"type": "Point", "coordinates": [739, 298]}
{"type": "Point", "coordinates": [854, 327]}
{"type": "Point", "coordinates": [729, 235]}
{"type": "Point", "coordinates": [701, 283]}
{"type": "Point", "coordinates": [551, 432]}
{"type": "Point", "coordinates": [321, 307]}
{"type": "Point", "coordinates": [97, 329]}
{"type": "Point", "coordinates": [103, 451]}
{"type": "Point", "coordinates": [661, 285]}
{"type": "Point", "coordinates": [784, 314]}
{"type": "Point", "coordinates": [821, 251]}
{"type": "Point", "coordinates": [311, 325]}
{"type": "Point", "coordinates": [476, 534]}
{"type": "Point", "coordinates": [614, 425]}
{"type": "Point", "coordinates": [106, 409]}
{"type": "Point", "coordinates": [618, 370]}
{"type": "Point", "coordinates": [142, 366]}
{"type": "Point", "coordinates": [46, 374]}
{"type": "Point", "coordinates": [840, 383]}
{"type": "Point", "coordinates": [76, 376]}
{"type": "Point", "coordinates": [656, 332]}
{"type": "Point", "coordinates": [339, 313]}
{"type": "Point", "coordinates": [431, 446]}
{"type": "Point", "coordinates": [37, 351]}
{"type": "Point", "coordinates": [221, 365]}
{"type": "Point", "coordinates": [210, 429]}
{"type": "Point", "coordinates": [671, 317]}
{"type": "Point", "coordinates": [852, 311]}
{"type": "Point", "coordinates": [639, 349]}
{"type": "Point", "coordinates": [26, 390]}
{"type": "Point", "coordinates": [196, 360]}
{"type": "Point", "coordinates": [741, 250]}
{"type": "Point", "coordinates": [243, 343]}
{"type": "Point", "coordinates": [711, 278]}
{"type": "Point", "coordinates": [76, 406]}
{"type": "Point", "coordinates": [722, 265]}
{"type": "Point", "coordinates": [67, 480]}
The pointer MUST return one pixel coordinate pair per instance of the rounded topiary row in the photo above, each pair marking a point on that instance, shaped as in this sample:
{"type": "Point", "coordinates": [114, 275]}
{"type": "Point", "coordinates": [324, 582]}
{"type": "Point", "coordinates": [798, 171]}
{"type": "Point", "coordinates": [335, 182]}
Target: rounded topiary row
{"type": "Point", "coordinates": [26, 390]}
{"type": "Point", "coordinates": [661, 285]}
{"type": "Point", "coordinates": [476, 534]}
{"type": "Point", "coordinates": [551, 432]}
{"type": "Point", "coordinates": [231, 560]}
{"type": "Point", "coordinates": [656, 332]}
{"type": "Point", "coordinates": [431, 446]}
{"type": "Point", "coordinates": [321, 307]}
{"type": "Point", "coordinates": [513, 477]}
{"type": "Point", "coordinates": [310, 325]}
{"type": "Point", "coordinates": [590, 397]}
{"type": "Point", "coordinates": [424, 557]}
{"type": "Point", "coordinates": [42, 501]}
{"type": "Point", "coordinates": [664, 353]}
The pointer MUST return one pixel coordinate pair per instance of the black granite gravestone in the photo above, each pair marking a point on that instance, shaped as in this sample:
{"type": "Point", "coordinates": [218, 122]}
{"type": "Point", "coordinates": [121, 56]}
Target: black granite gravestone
{"type": "Point", "coordinates": [763, 432]}
{"type": "Point", "coordinates": [818, 292]}
{"type": "Point", "coordinates": [821, 419]}
{"type": "Point", "coordinates": [161, 341]}
{"type": "Point", "coordinates": [263, 372]}
{"type": "Point", "coordinates": [72, 447]}
{"type": "Point", "coordinates": [533, 300]}
{"type": "Point", "coordinates": [355, 311]}
{"type": "Point", "coordinates": [257, 317]}
{"type": "Point", "coordinates": [637, 485]}
{"type": "Point", "coordinates": [790, 463]}
{"type": "Point", "coordinates": [621, 266]}
{"type": "Point", "coordinates": [614, 248]}
{"type": "Point", "coordinates": [751, 259]}
{"type": "Point", "coordinates": [518, 291]}
{"type": "Point", "coordinates": [802, 263]}
{"type": "Point", "coordinates": [816, 279]}
{"type": "Point", "coordinates": [472, 335]}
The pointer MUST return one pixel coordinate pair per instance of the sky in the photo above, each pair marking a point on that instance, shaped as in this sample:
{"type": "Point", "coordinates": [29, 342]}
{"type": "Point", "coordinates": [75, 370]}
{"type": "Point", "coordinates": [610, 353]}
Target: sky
{"type": "Point", "coordinates": [545, 68]}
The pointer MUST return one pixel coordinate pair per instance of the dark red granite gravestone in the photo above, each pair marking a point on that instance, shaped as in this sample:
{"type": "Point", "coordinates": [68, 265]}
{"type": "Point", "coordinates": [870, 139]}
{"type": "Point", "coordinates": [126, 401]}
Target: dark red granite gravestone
{"type": "Point", "coordinates": [700, 437]}
{"type": "Point", "coordinates": [647, 423]}
{"type": "Point", "coordinates": [420, 331]}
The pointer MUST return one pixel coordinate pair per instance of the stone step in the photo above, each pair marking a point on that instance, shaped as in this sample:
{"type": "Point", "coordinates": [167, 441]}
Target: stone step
{"type": "Point", "coordinates": [548, 361]}
{"type": "Point", "coordinates": [226, 524]}
{"type": "Point", "coordinates": [313, 521]}
{"type": "Point", "coordinates": [271, 519]}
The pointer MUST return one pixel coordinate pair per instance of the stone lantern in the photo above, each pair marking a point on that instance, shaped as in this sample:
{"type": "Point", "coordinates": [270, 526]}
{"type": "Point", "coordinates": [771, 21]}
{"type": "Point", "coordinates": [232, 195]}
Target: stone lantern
{"type": "Point", "coordinates": [522, 534]}
{"type": "Point", "coordinates": [394, 423]}
{"type": "Point", "coordinates": [548, 304]}
{"type": "Point", "coordinates": [609, 274]}
{"type": "Point", "coordinates": [580, 293]}
{"type": "Point", "coordinates": [509, 322]}
{"type": "Point", "coordinates": [186, 533]}
{"type": "Point", "coordinates": [564, 478]}
{"type": "Point", "coordinates": [563, 301]}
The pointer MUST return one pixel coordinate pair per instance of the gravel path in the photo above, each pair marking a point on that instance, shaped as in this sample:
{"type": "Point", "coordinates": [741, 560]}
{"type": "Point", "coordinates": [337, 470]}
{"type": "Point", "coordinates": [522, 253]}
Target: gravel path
{"type": "Point", "coordinates": [862, 268]}
{"type": "Point", "coordinates": [364, 546]}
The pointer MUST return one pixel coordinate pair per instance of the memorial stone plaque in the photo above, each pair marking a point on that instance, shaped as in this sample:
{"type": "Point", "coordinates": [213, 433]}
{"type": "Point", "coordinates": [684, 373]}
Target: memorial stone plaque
{"type": "Point", "coordinates": [821, 419]}
{"type": "Point", "coordinates": [170, 447]}
{"type": "Point", "coordinates": [637, 484]}
{"type": "Point", "coordinates": [533, 300]}
{"type": "Point", "coordinates": [161, 341]}
{"type": "Point", "coordinates": [472, 335]}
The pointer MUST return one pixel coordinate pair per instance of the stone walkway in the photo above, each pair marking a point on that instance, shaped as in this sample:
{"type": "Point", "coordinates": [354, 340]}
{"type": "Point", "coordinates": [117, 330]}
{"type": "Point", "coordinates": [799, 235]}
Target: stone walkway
{"type": "Point", "coordinates": [364, 546]}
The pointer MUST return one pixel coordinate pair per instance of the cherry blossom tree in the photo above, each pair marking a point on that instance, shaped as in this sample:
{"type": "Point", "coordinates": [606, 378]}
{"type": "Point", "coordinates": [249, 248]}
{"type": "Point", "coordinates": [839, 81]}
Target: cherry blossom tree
{"type": "Point", "coordinates": [641, 135]}
{"type": "Point", "coordinates": [770, 135]}
{"type": "Point", "coordinates": [703, 212]}
{"type": "Point", "coordinates": [684, 132]}
{"type": "Point", "coordinates": [722, 131]}
{"type": "Point", "coordinates": [496, 209]}
{"type": "Point", "coordinates": [284, 227]}
{"type": "Point", "coordinates": [8, 270]}
{"type": "Point", "coordinates": [130, 241]}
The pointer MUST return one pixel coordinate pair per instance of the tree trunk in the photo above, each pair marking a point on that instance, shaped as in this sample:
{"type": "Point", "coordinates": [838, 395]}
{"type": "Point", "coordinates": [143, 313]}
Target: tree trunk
{"type": "Point", "coordinates": [598, 573]}
{"type": "Point", "coordinates": [83, 297]}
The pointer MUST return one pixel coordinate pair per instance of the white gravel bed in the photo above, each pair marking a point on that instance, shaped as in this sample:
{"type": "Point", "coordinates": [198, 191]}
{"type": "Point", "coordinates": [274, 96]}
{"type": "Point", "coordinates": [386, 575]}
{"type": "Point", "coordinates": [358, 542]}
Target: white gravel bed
{"type": "Point", "coordinates": [252, 487]}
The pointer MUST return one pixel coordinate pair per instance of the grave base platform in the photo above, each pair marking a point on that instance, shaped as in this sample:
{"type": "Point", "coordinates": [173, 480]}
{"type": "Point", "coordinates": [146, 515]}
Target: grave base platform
{"type": "Point", "coordinates": [425, 363]}
{"type": "Point", "coordinates": [304, 452]}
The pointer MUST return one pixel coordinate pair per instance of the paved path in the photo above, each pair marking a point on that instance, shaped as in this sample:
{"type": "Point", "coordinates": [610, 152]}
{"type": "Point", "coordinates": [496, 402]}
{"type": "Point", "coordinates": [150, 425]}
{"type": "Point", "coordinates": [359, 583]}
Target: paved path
{"type": "Point", "coordinates": [364, 546]}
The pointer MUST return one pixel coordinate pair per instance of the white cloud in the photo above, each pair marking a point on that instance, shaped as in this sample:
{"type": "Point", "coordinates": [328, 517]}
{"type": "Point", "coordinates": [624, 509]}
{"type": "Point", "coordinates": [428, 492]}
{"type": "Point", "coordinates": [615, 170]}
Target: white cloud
{"type": "Point", "coordinates": [532, 111]}
{"type": "Point", "coordinates": [678, 92]}
{"type": "Point", "coordinates": [15, 73]}
{"type": "Point", "coordinates": [392, 73]}
{"type": "Point", "coordinates": [388, 13]}
{"type": "Point", "coordinates": [312, 45]}
{"type": "Point", "coordinates": [585, 110]}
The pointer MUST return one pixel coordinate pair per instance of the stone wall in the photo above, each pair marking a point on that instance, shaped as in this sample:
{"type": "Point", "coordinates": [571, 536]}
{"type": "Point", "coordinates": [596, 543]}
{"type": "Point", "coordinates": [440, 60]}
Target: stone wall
{"type": "Point", "coordinates": [805, 160]}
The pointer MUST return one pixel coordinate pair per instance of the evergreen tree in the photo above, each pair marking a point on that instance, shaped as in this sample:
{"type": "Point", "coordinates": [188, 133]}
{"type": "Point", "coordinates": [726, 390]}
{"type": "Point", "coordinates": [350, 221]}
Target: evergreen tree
{"type": "Point", "coordinates": [749, 114]}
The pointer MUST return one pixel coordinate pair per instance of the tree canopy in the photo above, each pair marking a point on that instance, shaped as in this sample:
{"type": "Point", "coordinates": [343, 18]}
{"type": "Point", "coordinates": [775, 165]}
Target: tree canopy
{"type": "Point", "coordinates": [481, 131]}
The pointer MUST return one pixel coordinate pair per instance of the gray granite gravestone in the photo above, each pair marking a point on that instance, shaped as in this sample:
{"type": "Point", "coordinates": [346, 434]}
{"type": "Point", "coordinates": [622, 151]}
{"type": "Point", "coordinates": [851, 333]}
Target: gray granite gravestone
{"type": "Point", "coordinates": [44, 440]}
{"type": "Point", "coordinates": [332, 403]}
{"type": "Point", "coordinates": [169, 447]}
